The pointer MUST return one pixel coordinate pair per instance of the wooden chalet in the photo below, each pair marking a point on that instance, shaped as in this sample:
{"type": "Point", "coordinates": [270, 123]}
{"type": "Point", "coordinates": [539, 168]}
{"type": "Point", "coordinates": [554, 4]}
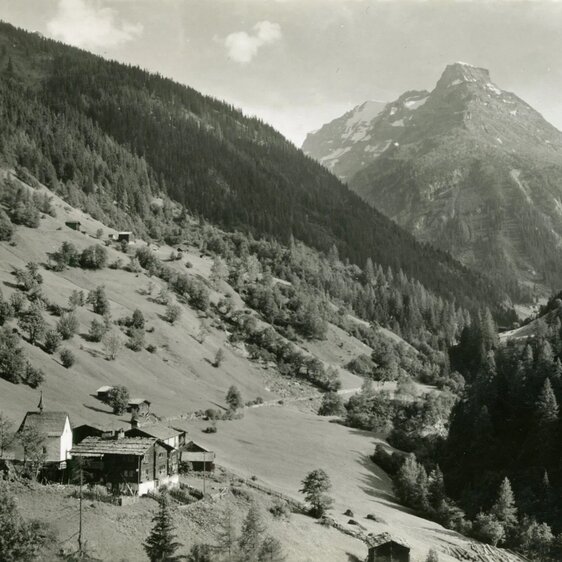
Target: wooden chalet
{"type": "Point", "coordinates": [102, 393]}
{"type": "Point", "coordinates": [385, 548]}
{"type": "Point", "coordinates": [199, 458]}
{"type": "Point", "coordinates": [138, 406]}
{"type": "Point", "coordinates": [128, 465]}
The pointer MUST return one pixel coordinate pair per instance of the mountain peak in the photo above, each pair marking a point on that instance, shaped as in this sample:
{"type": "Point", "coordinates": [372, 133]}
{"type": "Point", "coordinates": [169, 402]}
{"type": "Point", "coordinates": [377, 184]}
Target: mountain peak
{"type": "Point", "coordinates": [462, 72]}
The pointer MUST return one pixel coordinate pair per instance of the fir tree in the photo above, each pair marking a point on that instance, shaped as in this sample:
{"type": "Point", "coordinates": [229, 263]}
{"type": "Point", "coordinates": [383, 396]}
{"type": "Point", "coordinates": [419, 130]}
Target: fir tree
{"type": "Point", "coordinates": [251, 534]}
{"type": "Point", "coordinates": [161, 546]}
{"type": "Point", "coordinates": [504, 509]}
{"type": "Point", "coordinates": [226, 535]}
{"type": "Point", "coordinates": [546, 406]}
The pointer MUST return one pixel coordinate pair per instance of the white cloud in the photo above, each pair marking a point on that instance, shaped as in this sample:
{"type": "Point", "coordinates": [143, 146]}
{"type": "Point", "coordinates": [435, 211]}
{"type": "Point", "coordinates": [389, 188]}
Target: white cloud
{"type": "Point", "coordinates": [87, 24]}
{"type": "Point", "coordinates": [242, 47]}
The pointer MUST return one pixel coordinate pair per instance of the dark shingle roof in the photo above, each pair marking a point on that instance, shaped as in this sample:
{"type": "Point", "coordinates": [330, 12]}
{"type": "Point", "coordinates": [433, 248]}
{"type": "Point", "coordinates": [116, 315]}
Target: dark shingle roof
{"type": "Point", "coordinates": [50, 424]}
{"type": "Point", "coordinates": [159, 430]}
{"type": "Point", "coordinates": [94, 446]}
{"type": "Point", "coordinates": [384, 538]}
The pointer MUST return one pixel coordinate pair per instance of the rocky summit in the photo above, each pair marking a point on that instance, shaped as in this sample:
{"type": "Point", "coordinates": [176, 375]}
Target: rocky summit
{"type": "Point", "coordinates": [468, 167]}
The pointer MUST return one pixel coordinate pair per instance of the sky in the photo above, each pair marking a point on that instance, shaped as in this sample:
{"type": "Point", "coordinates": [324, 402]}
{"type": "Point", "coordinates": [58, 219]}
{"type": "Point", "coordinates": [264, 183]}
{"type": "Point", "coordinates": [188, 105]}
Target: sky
{"type": "Point", "coordinates": [298, 64]}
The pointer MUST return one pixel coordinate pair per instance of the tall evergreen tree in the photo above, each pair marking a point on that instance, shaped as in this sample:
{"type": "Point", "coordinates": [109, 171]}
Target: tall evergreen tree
{"type": "Point", "coordinates": [504, 509]}
{"type": "Point", "coordinates": [546, 406]}
{"type": "Point", "coordinates": [251, 534]}
{"type": "Point", "coordinates": [161, 544]}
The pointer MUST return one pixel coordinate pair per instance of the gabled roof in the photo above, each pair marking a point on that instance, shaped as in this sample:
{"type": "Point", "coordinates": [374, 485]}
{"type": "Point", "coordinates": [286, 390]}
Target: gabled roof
{"type": "Point", "coordinates": [50, 424]}
{"type": "Point", "coordinates": [158, 430]}
{"type": "Point", "coordinates": [97, 446]}
{"type": "Point", "coordinates": [194, 447]}
{"type": "Point", "coordinates": [105, 388]}
{"type": "Point", "coordinates": [383, 538]}
{"type": "Point", "coordinates": [135, 401]}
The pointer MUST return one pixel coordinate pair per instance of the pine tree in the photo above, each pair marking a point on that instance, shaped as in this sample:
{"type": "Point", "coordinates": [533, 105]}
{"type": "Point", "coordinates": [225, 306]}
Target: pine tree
{"type": "Point", "coordinates": [253, 529]}
{"type": "Point", "coordinates": [226, 535]}
{"type": "Point", "coordinates": [436, 489]}
{"type": "Point", "coordinates": [546, 406]}
{"type": "Point", "coordinates": [504, 509]}
{"type": "Point", "coordinates": [161, 545]}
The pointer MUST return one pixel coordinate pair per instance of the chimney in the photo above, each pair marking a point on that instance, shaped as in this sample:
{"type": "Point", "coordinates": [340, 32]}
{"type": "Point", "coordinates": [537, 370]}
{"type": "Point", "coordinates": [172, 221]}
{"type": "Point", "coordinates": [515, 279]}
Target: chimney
{"type": "Point", "coordinates": [134, 421]}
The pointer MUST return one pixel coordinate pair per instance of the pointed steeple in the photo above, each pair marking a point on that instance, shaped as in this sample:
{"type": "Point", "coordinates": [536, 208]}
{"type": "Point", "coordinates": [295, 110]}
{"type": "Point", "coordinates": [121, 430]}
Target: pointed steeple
{"type": "Point", "coordinates": [40, 405]}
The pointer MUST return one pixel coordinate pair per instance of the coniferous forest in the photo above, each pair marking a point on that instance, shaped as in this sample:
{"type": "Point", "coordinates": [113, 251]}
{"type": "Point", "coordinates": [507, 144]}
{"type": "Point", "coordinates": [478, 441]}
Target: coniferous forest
{"type": "Point", "coordinates": [101, 133]}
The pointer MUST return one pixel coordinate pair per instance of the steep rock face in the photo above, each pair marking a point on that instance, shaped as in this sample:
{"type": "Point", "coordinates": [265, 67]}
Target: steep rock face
{"type": "Point", "coordinates": [472, 169]}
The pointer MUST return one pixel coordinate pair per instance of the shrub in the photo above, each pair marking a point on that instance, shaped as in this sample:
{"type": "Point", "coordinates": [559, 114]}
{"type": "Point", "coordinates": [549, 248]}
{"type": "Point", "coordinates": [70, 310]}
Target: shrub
{"type": "Point", "coordinates": [98, 299]}
{"type": "Point", "coordinates": [212, 414]}
{"type": "Point", "coordinates": [28, 278]}
{"type": "Point", "coordinates": [280, 509]}
{"type": "Point", "coordinates": [43, 202]}
{"type": "Point", "coordinates": [93, 257]}
{"type": "Point", "coordinates": [332, 405]}
{"type": "Point", "coordinates": [67, 358]}
{"type": "Point", "coordinates": [234, 398]}
{"type": "Point", "coordinates": [219, 357]}
{"type": "Point", "coordinates": [112, 344]}
{"type": "Point", "coordinates": [12, 358]}
{"type": "Point", "coordinates": [33, 377]}
{"type": "Point", "coordinates": [52, 341]}
{"type": "Point", "coordinates": [362, 365]}
{"type": "Point", "coordinates": [173, 312]}
{"type": "Point", "coordinates": [17, 302]}
{"type": "Point", "coordinates": [6, 227]}
{"type": "Point", "coordinates": [136, 339]}
{"type": "Point", "coordinates": [137, 319]}
{"type": "Point", "coordinates": [66, 256]}
{"type": "Point", "coordinates": [117, 264]}
{"type": "Point", "coordinates": [97, 331]}
{"type": "Point", "coordinates": [68, 325]}
{"type": "Point", "coordinates": [76, 299]}
{"type": "Point", "coordinates": [134, 265]}
{"type": "Point", "coordinates": [25, 213]}
{"type": "Point", "coordinates": [118, 399]}
{"type": "Point", "coordinates": [151, 348]}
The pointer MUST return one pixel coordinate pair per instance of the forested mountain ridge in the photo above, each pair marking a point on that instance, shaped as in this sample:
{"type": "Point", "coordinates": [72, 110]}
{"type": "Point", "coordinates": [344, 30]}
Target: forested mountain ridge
{"type": "Point", "coordinates": [468, 167]}
{"type": "Point", "coordinates": [101, 133]}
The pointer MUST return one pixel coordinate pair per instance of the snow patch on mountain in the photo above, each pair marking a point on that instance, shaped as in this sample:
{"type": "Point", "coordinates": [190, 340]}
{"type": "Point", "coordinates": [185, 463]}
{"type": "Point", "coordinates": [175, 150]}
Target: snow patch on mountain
{"type": "Point", "coordinates": [331, 159]}
{"type": "Point", "coordinates": [415, 103]}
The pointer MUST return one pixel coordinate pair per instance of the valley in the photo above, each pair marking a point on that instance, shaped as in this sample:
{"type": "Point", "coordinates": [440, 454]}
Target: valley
{"type": "Point", "coordinates": [204, 329]}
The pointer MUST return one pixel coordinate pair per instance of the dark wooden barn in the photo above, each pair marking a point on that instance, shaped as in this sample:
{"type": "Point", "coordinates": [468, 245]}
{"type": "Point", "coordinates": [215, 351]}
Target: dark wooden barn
{"type": "Point", "coordinates": [198, 457]}
{"type": "Point", "coordinates": [74, 225]}
{"type": "Point", "coordinates": [128, 465]}
{"type": "Point", "coordinates": [138, 406]}
{"type": "Point", "coordinates": [385, 548]}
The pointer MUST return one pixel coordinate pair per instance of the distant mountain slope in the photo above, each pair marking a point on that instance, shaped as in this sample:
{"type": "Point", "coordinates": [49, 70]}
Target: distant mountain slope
{"type": "Point", "coordinates": [111, 133]}
{"type": "Point", "coordinates": [334, 144]}
{"type": "Point", "coordinates": [470, 168]}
